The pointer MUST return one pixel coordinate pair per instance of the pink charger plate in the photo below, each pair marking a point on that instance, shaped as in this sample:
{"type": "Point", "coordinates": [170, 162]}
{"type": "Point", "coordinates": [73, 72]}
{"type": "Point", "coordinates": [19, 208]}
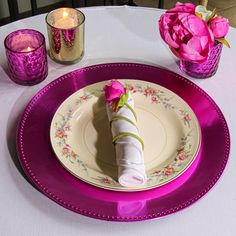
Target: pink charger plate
{"type": "Point", "coordinates": [48, 175]}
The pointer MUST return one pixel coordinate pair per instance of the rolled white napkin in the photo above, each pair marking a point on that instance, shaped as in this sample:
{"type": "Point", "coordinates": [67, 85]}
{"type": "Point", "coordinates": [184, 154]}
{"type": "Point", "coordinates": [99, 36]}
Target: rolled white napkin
{"type": "Point", "coordinates": [129, 150]}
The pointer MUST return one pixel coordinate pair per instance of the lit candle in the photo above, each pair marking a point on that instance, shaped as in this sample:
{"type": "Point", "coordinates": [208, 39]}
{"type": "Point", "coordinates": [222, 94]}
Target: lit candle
{"type": "Point", "coordinates": [28, 49]}
{"type": "Point", "coordinates": [66, 34]}
{"type": "Point", "coordinates": [65, 22]}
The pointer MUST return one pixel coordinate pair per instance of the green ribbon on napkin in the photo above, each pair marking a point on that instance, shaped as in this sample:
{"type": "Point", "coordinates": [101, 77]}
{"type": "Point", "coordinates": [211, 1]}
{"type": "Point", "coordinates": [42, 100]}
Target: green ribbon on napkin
{"type": "Point", "coordinates": [122, 118]}
{"type": "Point", "coordinates": [132, 110]}
{"type": "Point", "coordinates": [126, 134]}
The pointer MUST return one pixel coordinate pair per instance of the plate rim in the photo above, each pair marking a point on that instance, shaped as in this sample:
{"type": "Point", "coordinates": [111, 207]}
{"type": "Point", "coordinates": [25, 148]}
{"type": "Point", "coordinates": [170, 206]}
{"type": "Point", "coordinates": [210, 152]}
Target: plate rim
{"type": "Point", "coordinates": [52, 196]}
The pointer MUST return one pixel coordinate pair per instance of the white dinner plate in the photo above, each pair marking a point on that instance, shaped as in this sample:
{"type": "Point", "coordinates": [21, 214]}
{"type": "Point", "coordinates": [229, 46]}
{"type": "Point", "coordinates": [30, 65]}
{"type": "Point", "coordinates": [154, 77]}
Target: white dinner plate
{"type": "Point", "coordinates": [81, 137]}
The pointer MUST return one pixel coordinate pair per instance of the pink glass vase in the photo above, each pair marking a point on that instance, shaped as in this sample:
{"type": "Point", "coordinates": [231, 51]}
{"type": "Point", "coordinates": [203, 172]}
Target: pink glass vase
{"type": "Point", "coordinates": [205, 69]}
{"type": "Point", "coordinates": [27, 56]}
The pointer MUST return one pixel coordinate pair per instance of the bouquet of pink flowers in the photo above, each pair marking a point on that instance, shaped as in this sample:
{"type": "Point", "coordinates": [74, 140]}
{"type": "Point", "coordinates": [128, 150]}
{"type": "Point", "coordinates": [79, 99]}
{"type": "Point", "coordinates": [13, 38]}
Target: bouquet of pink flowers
{"type": "Point", "coordinates": [192, 31]}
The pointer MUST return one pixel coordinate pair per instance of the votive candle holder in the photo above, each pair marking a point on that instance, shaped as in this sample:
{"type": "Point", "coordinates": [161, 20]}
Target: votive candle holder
{"type": "Point", "coordinates": [65, 28]}
{"type": "Point", "coordinates": [27, 56]}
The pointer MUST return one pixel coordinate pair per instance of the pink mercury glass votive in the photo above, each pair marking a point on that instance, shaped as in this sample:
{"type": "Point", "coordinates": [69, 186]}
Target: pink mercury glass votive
{"type": "Point", "coordinates": [205, 69]}
{"type": "Point", "coordinates": [27, 56]}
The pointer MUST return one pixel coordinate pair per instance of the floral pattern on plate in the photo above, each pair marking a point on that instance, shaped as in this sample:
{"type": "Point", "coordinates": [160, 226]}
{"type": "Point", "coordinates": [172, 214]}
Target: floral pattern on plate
{"type": "Point", "coordinates": [61, 129]}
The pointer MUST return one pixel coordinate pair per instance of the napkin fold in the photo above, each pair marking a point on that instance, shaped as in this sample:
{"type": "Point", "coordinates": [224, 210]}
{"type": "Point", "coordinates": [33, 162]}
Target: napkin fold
{"type": "Point", "coordinates": [129, 149]}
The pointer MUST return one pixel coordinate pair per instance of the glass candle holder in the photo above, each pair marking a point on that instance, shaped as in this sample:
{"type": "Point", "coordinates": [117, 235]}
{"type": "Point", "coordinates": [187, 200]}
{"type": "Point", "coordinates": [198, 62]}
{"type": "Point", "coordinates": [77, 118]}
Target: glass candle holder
{"type": "Point", "coordinates": [66, 35]}
{"type": "Point", "coordinates": [27, 56]}
{"type": "Point", "coordinates": [205, 69]}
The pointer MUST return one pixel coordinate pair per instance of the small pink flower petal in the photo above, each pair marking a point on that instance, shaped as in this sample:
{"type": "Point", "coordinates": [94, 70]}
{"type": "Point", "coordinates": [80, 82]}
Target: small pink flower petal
{"type": "Point", "coordinates": [188, 54]}
{"type": "Point", "coordinates": [164, 25]}
{"type": "Point", "coordinates": [195, 44]}
{"type": "Point", "coordinates": [183, 7]}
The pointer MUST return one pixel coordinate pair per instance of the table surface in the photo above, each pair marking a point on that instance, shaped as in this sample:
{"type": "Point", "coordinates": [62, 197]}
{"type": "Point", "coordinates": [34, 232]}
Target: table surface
{"type": "Point", "coordinates": [113, 34]}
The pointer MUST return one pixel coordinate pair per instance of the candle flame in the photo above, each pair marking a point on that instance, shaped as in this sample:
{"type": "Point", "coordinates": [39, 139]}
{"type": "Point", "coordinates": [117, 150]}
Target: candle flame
{"type": "Point", "coordinates": [65, 14]}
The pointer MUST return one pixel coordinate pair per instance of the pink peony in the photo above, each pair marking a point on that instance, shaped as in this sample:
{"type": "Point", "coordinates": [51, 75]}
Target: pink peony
{"type": "Point", "coordinates": [219, 26]}
{"type": "Point", "coordinates": [187, 35]}
{"type": "Point", "coordinates": [113, 91]}
{"type": "Point", "coordinates": [183, 7]}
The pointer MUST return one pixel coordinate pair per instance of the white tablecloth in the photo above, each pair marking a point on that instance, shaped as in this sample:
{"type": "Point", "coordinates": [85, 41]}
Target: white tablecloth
{"type": "Point", "coordinates": [127, 34]}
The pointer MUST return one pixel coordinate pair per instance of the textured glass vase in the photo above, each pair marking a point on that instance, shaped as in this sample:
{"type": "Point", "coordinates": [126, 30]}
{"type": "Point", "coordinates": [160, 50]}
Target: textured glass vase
{"type": "Point", "coordinates": [205, 69]}
{"type": "Point", "coordinates": [27, 56]}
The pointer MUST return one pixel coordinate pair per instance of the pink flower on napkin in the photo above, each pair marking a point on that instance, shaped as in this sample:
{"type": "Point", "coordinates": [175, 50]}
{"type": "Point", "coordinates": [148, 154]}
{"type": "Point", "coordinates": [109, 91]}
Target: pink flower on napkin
{"type": "Point", "coordinates": [187, 35]}
{"type": "Point", "coordinates": [113, 91]}
{"type": "Point", "coordinates": [219, 26]}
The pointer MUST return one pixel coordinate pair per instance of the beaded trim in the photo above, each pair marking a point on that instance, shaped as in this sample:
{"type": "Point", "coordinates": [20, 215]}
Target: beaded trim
{"type": "Point", "coordinates": [67, 205]}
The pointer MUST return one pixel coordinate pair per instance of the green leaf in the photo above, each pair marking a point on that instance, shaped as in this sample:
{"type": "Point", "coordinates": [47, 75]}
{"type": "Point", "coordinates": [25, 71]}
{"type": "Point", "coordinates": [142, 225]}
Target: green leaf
{"type": "Point", "coordinates": [224, 41]}
{"type": "Point", "coordinates": [123, 99]}
{"type": "Point", "coordinates": [199, 15]}
{"type": "Point", "coordinates": [121, 102]}
{"type": "Point", "coordinates": [127, 91]}
{"type": "Point", "coordinates": [213, 13]}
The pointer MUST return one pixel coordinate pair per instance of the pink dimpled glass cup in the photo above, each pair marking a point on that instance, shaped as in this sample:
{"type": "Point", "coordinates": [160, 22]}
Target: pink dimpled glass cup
{"type": "Point", "coordinates": [27, 56]}
{"type": "Point", "coordinates": [205, 69]}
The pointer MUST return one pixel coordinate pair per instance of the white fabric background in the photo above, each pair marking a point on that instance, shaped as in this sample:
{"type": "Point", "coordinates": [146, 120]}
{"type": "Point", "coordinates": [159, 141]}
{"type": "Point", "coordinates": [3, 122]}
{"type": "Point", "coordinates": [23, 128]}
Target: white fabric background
{"type": "Point", "coordinates": [113, 34]}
